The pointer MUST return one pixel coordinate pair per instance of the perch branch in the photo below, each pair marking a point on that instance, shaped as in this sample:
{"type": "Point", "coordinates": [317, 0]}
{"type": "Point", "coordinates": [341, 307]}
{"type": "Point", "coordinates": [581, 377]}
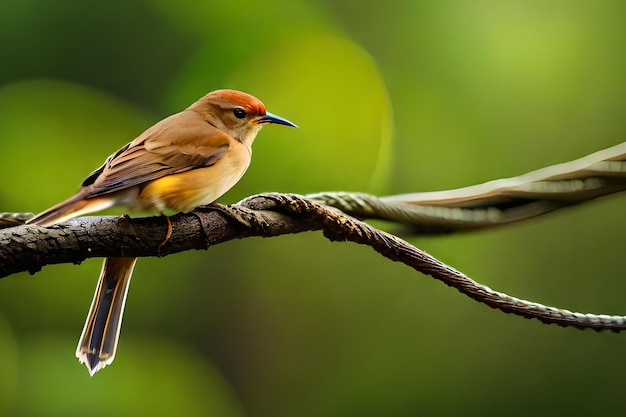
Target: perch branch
{"type": "Point", "coordinates": [29, 248]}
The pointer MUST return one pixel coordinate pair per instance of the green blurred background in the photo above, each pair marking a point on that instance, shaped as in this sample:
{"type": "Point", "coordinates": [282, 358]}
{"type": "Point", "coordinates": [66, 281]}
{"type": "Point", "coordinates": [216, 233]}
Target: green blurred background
{"type": "Point", "coordinates": [394, 96]}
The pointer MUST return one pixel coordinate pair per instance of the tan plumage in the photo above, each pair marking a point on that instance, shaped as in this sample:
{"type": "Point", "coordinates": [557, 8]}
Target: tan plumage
{"type": "Point", "coordinates": [186, 160]}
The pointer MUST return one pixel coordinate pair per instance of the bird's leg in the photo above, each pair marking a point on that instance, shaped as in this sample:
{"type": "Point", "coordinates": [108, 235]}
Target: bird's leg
{"type": "Point", "coordinates": [168, 234]}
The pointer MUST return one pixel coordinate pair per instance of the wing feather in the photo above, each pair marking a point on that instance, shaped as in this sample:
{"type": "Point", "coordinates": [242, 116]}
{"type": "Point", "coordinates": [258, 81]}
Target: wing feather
{"type": "Point", "coordinates": [175, 145]}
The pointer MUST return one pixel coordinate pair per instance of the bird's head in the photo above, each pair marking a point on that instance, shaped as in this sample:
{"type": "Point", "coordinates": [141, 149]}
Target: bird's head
{"type": "Point", "coordinates": [236, 113]}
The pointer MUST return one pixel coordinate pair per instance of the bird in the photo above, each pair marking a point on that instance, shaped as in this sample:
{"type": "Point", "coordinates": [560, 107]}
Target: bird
{"type": "Point", "coordinates": [186, 160]}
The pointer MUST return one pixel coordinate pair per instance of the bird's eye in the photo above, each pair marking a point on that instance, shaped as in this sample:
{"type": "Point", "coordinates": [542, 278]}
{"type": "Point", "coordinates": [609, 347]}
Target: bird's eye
{"type": "Point", "coordinates": [239, 113]}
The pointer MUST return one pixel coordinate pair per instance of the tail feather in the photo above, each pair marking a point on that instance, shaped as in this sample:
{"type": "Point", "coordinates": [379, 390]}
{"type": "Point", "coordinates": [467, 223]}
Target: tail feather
{"type": "Point", "coordinates": [98, 341]}
{"type": "Point", "coordinates": [70, 208]}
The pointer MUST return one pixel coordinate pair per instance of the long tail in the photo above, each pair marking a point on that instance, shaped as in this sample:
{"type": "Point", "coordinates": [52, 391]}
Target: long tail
{"type": "Point", "coordinates": [98, 341]}
{"type": "Point", "coordinates": [70, 208]}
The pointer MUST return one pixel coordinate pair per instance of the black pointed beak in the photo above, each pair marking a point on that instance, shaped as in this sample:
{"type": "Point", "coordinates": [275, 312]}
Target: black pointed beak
{"type": "Point", "coordinates": [272, 118]}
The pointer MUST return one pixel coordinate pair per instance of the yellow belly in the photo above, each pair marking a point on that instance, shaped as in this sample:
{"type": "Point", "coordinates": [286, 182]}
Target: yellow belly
{"type": "Point", "coordinates": [188, 190]}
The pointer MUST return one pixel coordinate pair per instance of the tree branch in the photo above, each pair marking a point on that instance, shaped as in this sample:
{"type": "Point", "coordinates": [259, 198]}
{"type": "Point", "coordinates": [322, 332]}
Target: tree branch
{"type": "Point", "coordinates": [494, 203]}
{"type": "Point", "coordinates": [29, 248]}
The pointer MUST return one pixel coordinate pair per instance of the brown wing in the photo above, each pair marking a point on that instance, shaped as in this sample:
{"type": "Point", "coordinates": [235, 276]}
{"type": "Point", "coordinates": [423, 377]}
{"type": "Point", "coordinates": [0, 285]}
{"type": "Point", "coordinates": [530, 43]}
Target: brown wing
{"type": "Point", "coordinates": [180, 143]}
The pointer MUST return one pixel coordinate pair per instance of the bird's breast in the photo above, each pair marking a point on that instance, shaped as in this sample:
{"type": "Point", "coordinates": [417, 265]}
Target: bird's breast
{"type": "Point", "coordinates": [188, 190]}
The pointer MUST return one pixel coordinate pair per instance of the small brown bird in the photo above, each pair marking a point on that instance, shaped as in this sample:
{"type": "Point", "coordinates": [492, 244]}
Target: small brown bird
{"type": "Point", "coordinates": [186, 160]}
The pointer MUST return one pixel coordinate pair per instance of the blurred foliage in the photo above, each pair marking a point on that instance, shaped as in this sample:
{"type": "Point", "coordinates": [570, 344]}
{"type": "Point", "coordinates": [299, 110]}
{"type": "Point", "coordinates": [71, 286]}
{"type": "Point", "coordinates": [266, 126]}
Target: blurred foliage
{"type": "Point", "coordinates": [297, 326]}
